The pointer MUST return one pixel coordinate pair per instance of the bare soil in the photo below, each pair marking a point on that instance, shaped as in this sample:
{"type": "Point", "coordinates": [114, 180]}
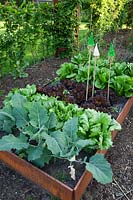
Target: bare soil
{"type": "Point", "coordinates": [15, 187]}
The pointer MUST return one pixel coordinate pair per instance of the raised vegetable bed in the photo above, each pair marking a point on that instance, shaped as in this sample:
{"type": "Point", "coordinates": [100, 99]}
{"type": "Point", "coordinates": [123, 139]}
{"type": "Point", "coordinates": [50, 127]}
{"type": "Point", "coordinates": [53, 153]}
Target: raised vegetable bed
{"type": "Point", "coordinates": [54, 186]}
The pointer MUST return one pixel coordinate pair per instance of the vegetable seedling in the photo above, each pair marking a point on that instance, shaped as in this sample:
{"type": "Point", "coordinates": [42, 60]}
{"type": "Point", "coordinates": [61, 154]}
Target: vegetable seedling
{"type": "Point", "coordinates": [111, 55]}
{"type": "Point", "coordinates": [96, 54]}
{"type": "Point", "coordinates": [90, 50]}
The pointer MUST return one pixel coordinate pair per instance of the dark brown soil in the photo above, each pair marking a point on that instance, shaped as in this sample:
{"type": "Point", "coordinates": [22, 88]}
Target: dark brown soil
{"type": "Point", "coordinates": [39, 74]}
{"type": "Point", "coordinates": [61, 171]}
{"type": "Point", "coordinates": [15, 187]}
{"type": "Point", "coordinates": [72, 92]}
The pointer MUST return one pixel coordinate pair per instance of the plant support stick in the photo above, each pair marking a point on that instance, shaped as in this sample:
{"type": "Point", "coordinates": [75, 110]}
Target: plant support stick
{"type": "Point", "coordinates": [94, 76]}
{"type": "Point", "coordinates": [87, 87]}
{"type": "Point", "coordinates": [96, 55]}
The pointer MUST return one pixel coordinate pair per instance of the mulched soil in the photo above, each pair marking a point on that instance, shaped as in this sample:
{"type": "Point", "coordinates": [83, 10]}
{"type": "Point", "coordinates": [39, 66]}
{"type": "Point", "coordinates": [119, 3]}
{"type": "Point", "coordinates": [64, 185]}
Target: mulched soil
{"type": "Point", "coordinates": [15, 187]}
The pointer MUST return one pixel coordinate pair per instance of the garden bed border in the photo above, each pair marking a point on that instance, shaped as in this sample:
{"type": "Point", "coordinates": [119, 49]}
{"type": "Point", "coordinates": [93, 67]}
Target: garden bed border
{"type": "Point", "coordinates": [49, 183]}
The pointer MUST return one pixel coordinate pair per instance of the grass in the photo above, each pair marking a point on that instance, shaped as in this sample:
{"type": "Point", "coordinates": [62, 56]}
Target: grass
{"type": "Point", "coordinates": [83, 26]}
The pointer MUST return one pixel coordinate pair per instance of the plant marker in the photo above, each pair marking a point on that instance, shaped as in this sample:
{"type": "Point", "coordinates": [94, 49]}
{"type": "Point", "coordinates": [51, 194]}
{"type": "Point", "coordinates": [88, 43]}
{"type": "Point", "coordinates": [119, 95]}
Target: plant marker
{"type": "Point", "coordinates": [96, 54]}
{"type": "Point", "coordinates": [111, 55]}
{"type": "Point", "coordinates": [91, 41]}
{"type": "Point", "coordinates": [90, 49]}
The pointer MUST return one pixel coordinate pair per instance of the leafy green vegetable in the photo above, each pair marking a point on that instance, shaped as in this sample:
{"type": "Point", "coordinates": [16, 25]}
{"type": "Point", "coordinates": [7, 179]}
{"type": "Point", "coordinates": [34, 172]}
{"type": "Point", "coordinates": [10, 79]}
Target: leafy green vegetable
{"type": "Point", "coordinates": [44, 158]}
{"type": "Point", "coordinates": [67, 70]}
{"type": "Point", "coordinates": [79, 60]}
{"type": "Point", "coordinates": [119, 68]}
{"type": "Point", "coordinates": [102, 77]}
{"type": "Point", "coordinates": [34, 152]}
{"type": "Point", "coordinates": [7, 121]}
{"type": "Point", "coordinates": [48, 128]}
{"type": "Point", "coordinates": [38, 115]}
{"type": "Point", "coordinates": [81, 75]}
{"type": "Point", "coordinates": [97, 127]}
{"type": "Point", "coordinates": [123, 85]}
{"type": "Point", "coordinates": [70, 128]}
{"type": "Point", "coordinates": [4, 115]}
{"type": "Point", "coordinates": [77, 70]}
{"type": "Point", "coordinates": [9, 142]}
{"type": "Point", "coordinates": [100, 169]}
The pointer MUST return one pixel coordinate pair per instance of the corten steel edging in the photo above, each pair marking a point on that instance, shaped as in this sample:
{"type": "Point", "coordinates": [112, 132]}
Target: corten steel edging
{"type": "Point", "coordinates": [87, 176]}
{"type": "Point", "coordinates": [82, 185]}
{"type": "Point", "coordinates": [123, 114]}
{"type": "Point", "coordinates": [36, 175]}
{"type": "Point", "coordinates": [49, 183]}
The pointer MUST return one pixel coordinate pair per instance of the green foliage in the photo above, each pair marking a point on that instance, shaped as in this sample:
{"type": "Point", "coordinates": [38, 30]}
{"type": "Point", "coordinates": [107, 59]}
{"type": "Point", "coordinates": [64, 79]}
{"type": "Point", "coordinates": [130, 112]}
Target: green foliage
{"type": "Point", "coordinates": [65, 23]}
{"type": "Point", "coordinates": [100, 168]}
{"type": "Point", "coordinates": [117, 72]}
{"type": "Point", "coordinates": [39, 136]}
{"type": "Point", "coordinates": [102, 76]}
{"type": "Point", "coordinates": [96, 126]}
{"type": "Point", "coordinates": [33, 31]}
{"type": "Point", "coordinates": [27, 33]}
{"type": "Point", "coordinates": [79, 60]}
{"type": "Point", "coordinates": [123, 68]}
{"type": "Point", "coordinates": [105, 15]}
{"type": "Point", "coordinates": [36, 114]}
{"type": "Point", "coordinates": [123, 85]}
{"type": "Point", "coordinates": [125, 16]}
{"type": "Point", "coordinates": [67, 70]}
{"type": "Point", "coordinates": [11, 142]}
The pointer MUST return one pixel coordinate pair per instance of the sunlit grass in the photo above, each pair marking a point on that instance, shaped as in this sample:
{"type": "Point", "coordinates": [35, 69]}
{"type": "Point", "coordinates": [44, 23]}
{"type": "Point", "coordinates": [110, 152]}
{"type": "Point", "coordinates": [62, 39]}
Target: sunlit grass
{"type": "Point", "coordinates": [83, 26]}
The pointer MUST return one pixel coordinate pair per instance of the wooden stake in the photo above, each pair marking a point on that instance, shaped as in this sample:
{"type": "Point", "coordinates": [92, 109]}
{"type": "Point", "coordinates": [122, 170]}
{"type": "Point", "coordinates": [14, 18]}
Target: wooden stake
{"type": "Point", "coordinates": [96, 54]}
{"type": "Point", "coordinates": [94, 77]}
{"type": "Point", "coordinates": [90, 49]}
{"type": "Point", "coordinates": [88, 77]}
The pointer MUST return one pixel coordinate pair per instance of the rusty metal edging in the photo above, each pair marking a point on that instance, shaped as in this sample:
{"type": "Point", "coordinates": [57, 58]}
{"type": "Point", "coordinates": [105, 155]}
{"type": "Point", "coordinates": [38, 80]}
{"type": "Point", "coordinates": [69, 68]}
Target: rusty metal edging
{"type": "Point", "coordinates": [36, 175]}
{"type": "Point", "coordinates": [87, 176]}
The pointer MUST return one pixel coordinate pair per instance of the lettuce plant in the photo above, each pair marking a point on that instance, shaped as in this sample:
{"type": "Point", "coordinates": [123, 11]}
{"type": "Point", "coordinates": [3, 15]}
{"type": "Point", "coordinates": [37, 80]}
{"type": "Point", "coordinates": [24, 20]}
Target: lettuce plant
{"type": "Point", "coordinates": [104, 75]}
